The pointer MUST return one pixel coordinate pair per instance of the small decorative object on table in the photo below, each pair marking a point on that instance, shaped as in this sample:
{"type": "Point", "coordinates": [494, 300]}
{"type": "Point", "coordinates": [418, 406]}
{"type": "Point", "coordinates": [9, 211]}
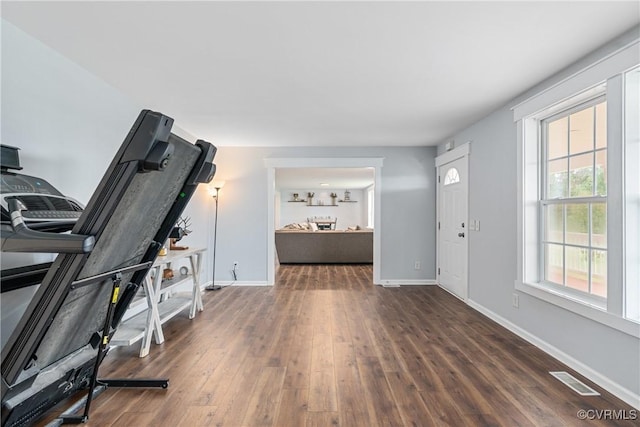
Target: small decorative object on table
{"type": "Point", "coordinates": [179, 231]}
{"type": "Point", "coordinates": [167, 273]}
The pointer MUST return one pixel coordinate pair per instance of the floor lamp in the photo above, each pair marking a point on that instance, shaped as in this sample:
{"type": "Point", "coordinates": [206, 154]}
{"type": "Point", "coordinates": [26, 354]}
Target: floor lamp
{"type": "Point", "coordinates": [215, 187]}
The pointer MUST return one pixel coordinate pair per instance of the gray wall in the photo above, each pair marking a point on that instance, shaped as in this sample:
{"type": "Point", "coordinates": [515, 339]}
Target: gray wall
{"type": "Point", "coordinates": [408, 208]}
{"type": "Point", "coordinates": [68, 124]}
{"type": "Point", "coordinates": [492, 250]}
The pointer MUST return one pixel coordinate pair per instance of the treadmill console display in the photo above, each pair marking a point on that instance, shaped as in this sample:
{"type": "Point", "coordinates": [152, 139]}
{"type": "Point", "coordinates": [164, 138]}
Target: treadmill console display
{"type": "Point", "coordinates": [43, 205]}
{"type": "Point", "coordinates": [18, 183]}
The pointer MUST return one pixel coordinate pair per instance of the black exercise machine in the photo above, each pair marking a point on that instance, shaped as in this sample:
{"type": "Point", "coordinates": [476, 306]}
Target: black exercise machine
{"type": "Point", "coordinates": [63, 336]}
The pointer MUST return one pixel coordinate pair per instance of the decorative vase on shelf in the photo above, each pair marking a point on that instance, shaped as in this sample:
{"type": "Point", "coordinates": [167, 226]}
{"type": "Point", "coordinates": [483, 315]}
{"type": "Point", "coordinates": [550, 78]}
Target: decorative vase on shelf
{"type": "Point", "coordinates": [333, 198]}
{"type": "Point", "coordinates": [295, 197]}
{"type": "Point", "coordinates": [310, 198]}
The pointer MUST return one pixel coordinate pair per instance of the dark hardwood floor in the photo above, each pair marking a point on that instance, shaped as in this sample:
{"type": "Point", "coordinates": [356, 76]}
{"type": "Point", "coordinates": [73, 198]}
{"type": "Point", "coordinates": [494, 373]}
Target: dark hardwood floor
{"type": "Point", "coordinates": [324, 347]}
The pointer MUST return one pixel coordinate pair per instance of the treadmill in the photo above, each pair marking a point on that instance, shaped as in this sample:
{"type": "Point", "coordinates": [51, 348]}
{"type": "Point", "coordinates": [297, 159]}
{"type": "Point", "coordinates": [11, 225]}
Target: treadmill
{"type": "Point", "coordinates": [59, 342]}
{"type": "Point", "coordinates": [47, 209]}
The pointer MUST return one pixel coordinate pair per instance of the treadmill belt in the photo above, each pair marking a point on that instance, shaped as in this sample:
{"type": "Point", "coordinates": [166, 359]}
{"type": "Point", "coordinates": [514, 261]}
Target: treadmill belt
{"type": "Point", "coordinates": [124, 241]}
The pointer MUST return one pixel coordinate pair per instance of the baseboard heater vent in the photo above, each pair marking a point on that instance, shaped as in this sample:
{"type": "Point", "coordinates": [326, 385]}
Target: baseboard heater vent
{"type": "Point", "coordinates": [575, 384]}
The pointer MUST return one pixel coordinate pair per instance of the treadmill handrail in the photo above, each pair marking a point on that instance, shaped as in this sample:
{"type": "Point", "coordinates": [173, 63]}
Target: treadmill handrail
{"type": "Point", "coordinates": [23, 239]}
{"type": "Point", "coordinates": [102, 276]}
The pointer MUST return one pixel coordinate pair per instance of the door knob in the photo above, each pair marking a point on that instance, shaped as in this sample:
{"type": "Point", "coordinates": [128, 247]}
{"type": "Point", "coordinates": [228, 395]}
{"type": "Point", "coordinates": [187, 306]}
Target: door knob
{"type": "Point", "coordinates": [461, 234]}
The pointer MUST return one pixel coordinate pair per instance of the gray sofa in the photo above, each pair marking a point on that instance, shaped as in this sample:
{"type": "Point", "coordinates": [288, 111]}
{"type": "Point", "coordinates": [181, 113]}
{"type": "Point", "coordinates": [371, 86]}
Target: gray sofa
{"type": "Point", "coordinates": [324, 247]}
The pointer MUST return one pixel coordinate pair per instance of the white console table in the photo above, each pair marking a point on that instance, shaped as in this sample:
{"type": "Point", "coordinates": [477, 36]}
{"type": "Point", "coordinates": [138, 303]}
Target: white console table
{"type": "Point", "coordinates": [163, 302]}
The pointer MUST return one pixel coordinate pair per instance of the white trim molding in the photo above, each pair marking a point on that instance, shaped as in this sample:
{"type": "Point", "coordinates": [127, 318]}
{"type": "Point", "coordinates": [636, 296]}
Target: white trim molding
{"type": "Point", "coordinates": [398, 283]}
{"type": "Point", "coordinates": [226, 283]}
{"type": "Point", "coordinates": [582, 308]}
{"type": "Point", "coordinates": [601, 380]}
{"type": "Point", "coordinates": [590, 76]}
{"type": "Point", "coordinates": [246, 283]}
{"type": "Point", "coordinates": [455, 154]}
{"type": "Point", "coordinates": [324, 162]}
{"type": "Point", "coordinates": [602, 78]}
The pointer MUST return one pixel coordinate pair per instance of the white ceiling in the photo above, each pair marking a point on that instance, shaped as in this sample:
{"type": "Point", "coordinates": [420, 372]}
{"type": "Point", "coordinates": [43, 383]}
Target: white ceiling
{"type": "Point", "coordinates": [323, 73]}
{"type": "Point", "coordinates": [336, 178]}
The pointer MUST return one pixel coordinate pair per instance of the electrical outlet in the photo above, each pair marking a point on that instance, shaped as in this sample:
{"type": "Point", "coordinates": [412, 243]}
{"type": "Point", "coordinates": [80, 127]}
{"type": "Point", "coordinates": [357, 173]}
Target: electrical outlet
{"type": "Point", "coordinates": [516, 300]}
{"type": "Point", "coordinates": [417, 265]}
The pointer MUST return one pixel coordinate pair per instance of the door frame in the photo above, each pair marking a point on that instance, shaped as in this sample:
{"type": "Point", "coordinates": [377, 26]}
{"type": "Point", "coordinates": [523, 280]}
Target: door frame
{"type": "Point", "coordinates": [323, 162]}
{"type": "Point", "coordinates": [459, 152]}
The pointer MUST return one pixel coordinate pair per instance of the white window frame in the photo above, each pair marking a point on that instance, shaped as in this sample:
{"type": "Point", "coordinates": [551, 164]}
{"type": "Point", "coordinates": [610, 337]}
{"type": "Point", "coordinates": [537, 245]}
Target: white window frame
{"type": "Point", "coordinates": [599, 96]}
{"type": "Point", "coordinates": [632, 193]}
{"type": "Point", "coordinates": [579, 87]}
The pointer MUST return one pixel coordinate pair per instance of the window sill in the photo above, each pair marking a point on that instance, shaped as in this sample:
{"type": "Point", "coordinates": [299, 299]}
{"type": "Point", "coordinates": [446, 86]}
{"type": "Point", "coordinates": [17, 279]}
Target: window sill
{"type": "Point", "coordinates": [590, 310]}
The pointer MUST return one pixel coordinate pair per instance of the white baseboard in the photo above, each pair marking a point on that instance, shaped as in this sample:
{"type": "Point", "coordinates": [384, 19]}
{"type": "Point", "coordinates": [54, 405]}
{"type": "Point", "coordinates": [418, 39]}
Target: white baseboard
{"type": "Point", "coordinates": [384, 283]}
{"type": "Point", "coordinates": [249, 283]}
{"type": "Point", "coordinates": [612, 387]}
{"type": "Point", "coordinates": [237, 283]}
{"type": "Point", "coordinates": [398, 283]}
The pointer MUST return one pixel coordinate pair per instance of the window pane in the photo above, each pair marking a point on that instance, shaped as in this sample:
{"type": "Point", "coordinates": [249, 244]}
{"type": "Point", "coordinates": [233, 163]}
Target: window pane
{"type": "Point", "coordinates": [557, 183]}
{"type": "Point", "coordinates": [574, 237]}
{"type": "Point", "coordinates": [554, 263]}
{"type": "Point", "coordinates": [581, 175]}
{"type": "Point", "coordinates": [578, 224]}
{"type": "Point", "coordinates": [557, 134]}
{"type": "Point", "coordinates": [632, 193]}
{"type": "Point", "coordinates": [601, 125]}
{"type": "Point", "coordinates": [554, 221]}
{"type": "Point", "coordinates": [581, 131]}
{"type": "Point", "coordinates": [452, 177]}
{"type": "Point", "coordinates": [577, 268]}
{"type": "Point", "coordinates": [599, 273]}
{"type": "Point", "coordinates": [599, 225]}
{"type": "Point", "coordinates": [601, 173]}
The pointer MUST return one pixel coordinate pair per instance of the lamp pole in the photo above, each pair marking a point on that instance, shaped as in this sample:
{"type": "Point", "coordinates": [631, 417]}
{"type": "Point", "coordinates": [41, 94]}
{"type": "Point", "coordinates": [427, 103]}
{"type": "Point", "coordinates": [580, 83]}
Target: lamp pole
{"type": "Point", "coordinates": [216, 195]}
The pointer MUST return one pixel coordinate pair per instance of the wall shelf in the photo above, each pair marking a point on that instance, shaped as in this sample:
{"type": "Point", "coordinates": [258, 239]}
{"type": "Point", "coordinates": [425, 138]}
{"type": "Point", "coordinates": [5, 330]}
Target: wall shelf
{"type": "Point", "coordinates": [325, 197]}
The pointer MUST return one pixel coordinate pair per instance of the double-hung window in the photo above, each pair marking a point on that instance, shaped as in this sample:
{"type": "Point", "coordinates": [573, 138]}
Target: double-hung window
{"type": "Point", "coordinates": [574, 199]}
{"type": "Point", "coordinates": [579, 191]}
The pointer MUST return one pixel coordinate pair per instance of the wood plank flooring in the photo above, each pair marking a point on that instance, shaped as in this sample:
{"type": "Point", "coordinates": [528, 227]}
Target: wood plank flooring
{"type": "Point", "coordinates": [324, 347]}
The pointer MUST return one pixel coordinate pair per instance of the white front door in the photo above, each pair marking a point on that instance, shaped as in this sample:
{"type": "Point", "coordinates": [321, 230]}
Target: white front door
{"type": "Point", "coordinates": [453, 230]}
